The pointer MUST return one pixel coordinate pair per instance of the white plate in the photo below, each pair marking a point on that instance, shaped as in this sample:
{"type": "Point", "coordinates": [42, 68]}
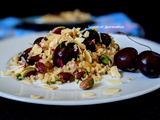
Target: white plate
{"type": "Point", "coordinates": [70, 93]}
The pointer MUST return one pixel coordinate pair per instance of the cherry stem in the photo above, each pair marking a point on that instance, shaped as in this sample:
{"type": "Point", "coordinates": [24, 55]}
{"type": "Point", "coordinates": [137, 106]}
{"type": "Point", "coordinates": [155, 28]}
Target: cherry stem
{"type": "Point", "coordinates": [133, 40]}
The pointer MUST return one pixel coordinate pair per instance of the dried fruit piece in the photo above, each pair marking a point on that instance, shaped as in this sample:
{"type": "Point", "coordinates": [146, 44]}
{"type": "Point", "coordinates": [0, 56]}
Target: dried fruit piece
{"type": "Point", "coordinates": [41, 67]}
{"type": "Point", "coordinates": [87, 83]}
{"type": "Point", "coordinates": [28, 72]}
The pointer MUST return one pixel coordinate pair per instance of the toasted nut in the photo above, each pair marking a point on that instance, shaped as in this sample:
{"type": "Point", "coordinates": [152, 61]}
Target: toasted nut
{"type": "Point", "coordinates": [111, 91]}
{"type": "Point", "coordinates": [114, 72]}
{"type": "Point", "coordinates": [36, 50]}
{"type": "Point", "coordinates": [88, 94]}
{"type": "Point", "coordinates": [66, 76]}
{"type": "Point", "coordinates": [105, 60]}
{"type": "Point", "coordinates": [28, 72]}
{"type": "Point", "coordinates": [50, 87]}
{"type": "Point", "coordinates": [3, 73]}
{"type": "Point", "coordinates": [114, 82]}
{"type": "Point", "coordinates": [35, 96]}
{"type": "Point", "coordinates": [87, 56]}
{"type": "Point", "coordinates": [28, 82]}
{"type": "Point", "coordinates": [81, 75]}
{"type": "Point", "coordinates": [80, 40]}
{"type": "Point", "coordinates": [87, 83]}
{"type": "Point", "coordinates": [100, 50]}
{"type": "Point", "coordinates": [86, 34]}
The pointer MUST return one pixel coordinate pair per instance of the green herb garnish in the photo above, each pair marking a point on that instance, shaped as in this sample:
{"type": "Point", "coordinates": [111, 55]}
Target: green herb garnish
{"type": "Point", "coordinates": [53, 82]}
{"type": "Point", "coordinates": [87, 72]}
{"type": "Point", "coordinates": [95, 73]}
{"type": "Point", "coordinates": [19, 77]}
{"type": "Point", "coordinates": [61, 46]}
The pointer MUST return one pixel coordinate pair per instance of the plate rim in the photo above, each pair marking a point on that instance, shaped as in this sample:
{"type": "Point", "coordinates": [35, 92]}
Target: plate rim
{"type": "Point", "coordinates": [83, 102]}
{"type": "Point", "coordinates": [77, 103]}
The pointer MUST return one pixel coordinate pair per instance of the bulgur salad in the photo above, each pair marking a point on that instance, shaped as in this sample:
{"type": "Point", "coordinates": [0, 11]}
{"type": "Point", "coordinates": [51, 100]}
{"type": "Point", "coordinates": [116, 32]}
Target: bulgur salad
{"type": "Point", "coordinates": [66, 17]}
{"type": "Point", "coordinates": [66, 55]}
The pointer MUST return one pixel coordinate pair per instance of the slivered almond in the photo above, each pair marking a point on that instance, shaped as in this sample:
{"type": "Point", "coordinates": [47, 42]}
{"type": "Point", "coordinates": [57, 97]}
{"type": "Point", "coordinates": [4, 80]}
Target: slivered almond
{"type": "Point", "coordinates": [80, 40]}
{"type": "Point", "coordinates": [88, 94]}
{"type": "Point", "coordinates": [111, 91]}
{"type": "Point", "coordinates": [114, 72]}
{"type": "Point", "coordinates": [35, 96]}
{"type": "Point", "coordinates": [87, 56]}
{"type": "Point", "coordinates": [114, 82]}
{"type": "Point", "coordinates": [28, 82]}
{"type": "Point", "coordinates": [86, 34]}
{"type": "Point", "coordinates": [36, 50]}
{"type": "Point", "coordinates": [50, 87]}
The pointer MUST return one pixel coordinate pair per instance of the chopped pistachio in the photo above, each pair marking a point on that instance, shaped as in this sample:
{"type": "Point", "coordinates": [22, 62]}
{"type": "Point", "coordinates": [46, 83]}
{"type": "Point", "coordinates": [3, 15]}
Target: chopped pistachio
{"type": "Point", "coordinates": [105, 60]}
{"type": "Point", "coordinates": [87, 83]}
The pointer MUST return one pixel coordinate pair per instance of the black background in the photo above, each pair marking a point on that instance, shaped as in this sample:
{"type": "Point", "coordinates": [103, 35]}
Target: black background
{"type": "Point", "coordinates": [146, 107]}
{"type": "Point", "coordinates": [145, 13]}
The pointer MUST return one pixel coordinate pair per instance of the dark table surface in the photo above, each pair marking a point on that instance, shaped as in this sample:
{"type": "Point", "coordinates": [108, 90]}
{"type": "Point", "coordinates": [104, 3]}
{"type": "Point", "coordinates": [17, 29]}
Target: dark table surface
{"type": "Point", "coordinates": [145, 107]}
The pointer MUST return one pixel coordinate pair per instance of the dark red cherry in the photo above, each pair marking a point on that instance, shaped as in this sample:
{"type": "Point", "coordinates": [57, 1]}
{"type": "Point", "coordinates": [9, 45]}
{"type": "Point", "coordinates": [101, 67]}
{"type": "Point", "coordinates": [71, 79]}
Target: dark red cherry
{"type": "Point", "coordinates": [38, 40]}
{"type": "Point", "coordinates": [30, 61]}
{"type": "Point", "coordinates": [148, 63]}
{"type": "Point", "coordinates": [41, 67]}
{"type": "Point", "coordinates": [33, 59]}
{"type": "Point", "coordinates": [125, 59]}
{"type": "Point", "coordinates": [25, 54]}
{"type": "Point", "coordinates": [106, 39]}
{"type": "Point", "coordinates": [64, 53]}
{"type": "Point", "coordinates": [93, 35]}
{"type": "Point", "coordinates": [58, 30]}
{"type": "Point", "coordinates": [90, 45]}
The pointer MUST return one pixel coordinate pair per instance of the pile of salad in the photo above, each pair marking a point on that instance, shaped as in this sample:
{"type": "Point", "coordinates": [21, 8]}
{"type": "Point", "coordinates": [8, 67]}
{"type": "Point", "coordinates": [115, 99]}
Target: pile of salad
{"type": "Point", "coordinates": [65, 55]}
